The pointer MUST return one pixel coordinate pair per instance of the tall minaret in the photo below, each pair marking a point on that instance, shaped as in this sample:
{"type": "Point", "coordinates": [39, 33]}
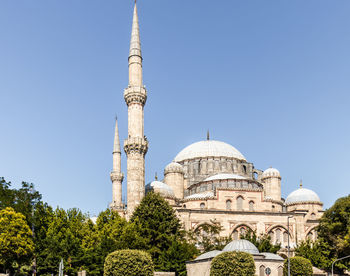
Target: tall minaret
{"type": "Point", "coordinates": [136, 145]}
{"type": "Point", "coordinates": [116, 174]}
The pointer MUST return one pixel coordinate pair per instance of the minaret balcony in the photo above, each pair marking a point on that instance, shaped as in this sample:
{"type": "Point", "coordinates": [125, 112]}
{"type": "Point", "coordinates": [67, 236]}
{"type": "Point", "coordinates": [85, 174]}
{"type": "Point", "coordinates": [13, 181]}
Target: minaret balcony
{"type": "Point", "coordinates": [135, 145]}
{"type": "Point", "coordinates": [135, 94]}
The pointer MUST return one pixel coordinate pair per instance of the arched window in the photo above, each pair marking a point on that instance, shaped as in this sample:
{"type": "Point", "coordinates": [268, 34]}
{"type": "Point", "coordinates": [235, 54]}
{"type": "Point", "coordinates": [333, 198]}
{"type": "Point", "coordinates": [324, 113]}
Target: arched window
{"type": "Point", "coordinates": [251, 205]}
{"type": "Point", "coordinates": [242, 231]}
{"type": "Point", "coordinates": [239, 203]}
{"type": "Point", "coordinates": [235, 235]}
{"type": "Point", "coordinates": [285, 237]}
{"type": "Point", "coordinates": [313, 216]}
{"type": "Point", "coordinates": [184, 206]}
{"type": "Point", "coordinates": [284, 209]}
{"type": "Point", "coordinates": [228, 204]}
{"type": "Point", "coordinates": [262, 270]}
{"type": "Point", "coordinates": [278, 235]}
{"type": "Point", "coordinates": [244, 169]}
{"type": "Point", "coordinates": [273, 208]}
{"type": "Point", "coordinates": [310, 236]}
{"type": "Point", "coordinates": [202, 205]}
{"type": "Point", "coordinates": [280, 271]}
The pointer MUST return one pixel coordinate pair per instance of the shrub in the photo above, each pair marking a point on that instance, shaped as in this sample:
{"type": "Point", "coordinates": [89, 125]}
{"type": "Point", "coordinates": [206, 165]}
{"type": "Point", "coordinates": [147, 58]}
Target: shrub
{"type": "Point", "coordinates": [233, 263]}
{"type": "Point", "coordinates": [299, 266]}
{"type": "Point", "coordinates": [128, 262]}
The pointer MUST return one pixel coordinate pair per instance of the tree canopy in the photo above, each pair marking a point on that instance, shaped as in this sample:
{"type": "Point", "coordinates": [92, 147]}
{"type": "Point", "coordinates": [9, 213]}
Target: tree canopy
{"type": "Point", "coordinates": [159, 230]}
{"type": "Point", "coordinates": [16, 244]}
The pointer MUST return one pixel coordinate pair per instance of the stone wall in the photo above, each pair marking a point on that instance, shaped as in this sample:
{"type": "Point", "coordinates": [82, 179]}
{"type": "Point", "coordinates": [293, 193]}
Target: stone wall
{"type": "Point", "coordinates": [158, 273]}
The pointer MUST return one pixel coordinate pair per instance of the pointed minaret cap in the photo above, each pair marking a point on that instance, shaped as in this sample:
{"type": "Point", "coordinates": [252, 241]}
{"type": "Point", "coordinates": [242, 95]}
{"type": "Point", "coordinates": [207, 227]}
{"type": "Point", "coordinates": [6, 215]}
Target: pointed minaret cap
{"type": "Point", "coordinates": [301, 183]}
{"type": "Point", "coordinates": [116, 146]}
{"type": "Point", "coordinates": [208, 135]}
{"type": "Point", "coordinates": [135, 43]}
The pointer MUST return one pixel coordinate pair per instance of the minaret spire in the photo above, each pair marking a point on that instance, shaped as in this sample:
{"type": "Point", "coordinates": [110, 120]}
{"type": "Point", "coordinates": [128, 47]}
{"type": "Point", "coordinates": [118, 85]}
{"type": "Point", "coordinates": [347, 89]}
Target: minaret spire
{"type": "Point", "coordinates": [116, 174]}
{"type": "Point", "coordinates": [135, 54]}
{"type": "Point", "coordinates": [136, 145]}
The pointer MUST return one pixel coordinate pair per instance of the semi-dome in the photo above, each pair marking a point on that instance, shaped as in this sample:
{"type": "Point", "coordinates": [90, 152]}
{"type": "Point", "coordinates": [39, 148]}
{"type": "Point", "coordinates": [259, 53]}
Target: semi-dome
{"type": "Point", "coordinates": [208, 148]}
{"type": "Point", "coordinates": [271, 172]}
{"type": "Point", "coordinates": [173, 167]}
{"type": "Point", "coordinates": [241, 245]}
{"type": "Point", "coordinates": [302, 195]}
{"type": "Point", "coordinates": [208, 255]}
{"type": "Point", "coordinates": [162, 188]}
{"type": "Point", "coordinates": [222, 176]}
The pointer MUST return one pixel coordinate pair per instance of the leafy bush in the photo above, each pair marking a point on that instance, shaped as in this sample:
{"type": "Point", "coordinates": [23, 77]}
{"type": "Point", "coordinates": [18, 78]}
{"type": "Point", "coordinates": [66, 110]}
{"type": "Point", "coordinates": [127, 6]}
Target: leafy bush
{"type": "Point", "coordinates": [233, 263]}
{"type": "Point", "coordinates": [299, 266]}
{"type": "Point", "coordinates": [128, 262]}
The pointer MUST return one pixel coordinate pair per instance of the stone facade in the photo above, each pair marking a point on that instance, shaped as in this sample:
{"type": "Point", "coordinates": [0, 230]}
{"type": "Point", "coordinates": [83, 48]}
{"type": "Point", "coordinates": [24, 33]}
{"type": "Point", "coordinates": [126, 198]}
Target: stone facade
{"type": "Point", "coordinates": [202, 267]}
{"type": "Point", "coordinates": [210, 180]}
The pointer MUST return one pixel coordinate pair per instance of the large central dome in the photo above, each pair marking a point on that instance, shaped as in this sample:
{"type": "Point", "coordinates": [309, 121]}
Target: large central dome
{"type": "Point", "coordinates": [208, 148]}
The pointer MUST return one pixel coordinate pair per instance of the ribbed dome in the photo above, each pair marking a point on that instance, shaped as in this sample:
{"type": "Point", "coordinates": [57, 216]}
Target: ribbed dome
{"type": "Point", "coordinates": [162, 188]}
{"type": "Point", "coordinates": [208, 148]}
{"type": "Point", "coordinates": [173, 167]}
{"type": "Point", "coordinates": [241, 245]}
{"type": "Point", "coordinates": [302, 195]}
{"type": "Point", "coordinates": [271, 172]}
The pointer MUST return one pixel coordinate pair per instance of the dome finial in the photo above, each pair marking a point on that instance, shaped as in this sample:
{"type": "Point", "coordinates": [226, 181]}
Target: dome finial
{"type": "Point", "coordinates": [156, 177]}
{"type": "Point", "coordinates": [208, 136]}
{"type": "Point", "coordinates": [301, 183]}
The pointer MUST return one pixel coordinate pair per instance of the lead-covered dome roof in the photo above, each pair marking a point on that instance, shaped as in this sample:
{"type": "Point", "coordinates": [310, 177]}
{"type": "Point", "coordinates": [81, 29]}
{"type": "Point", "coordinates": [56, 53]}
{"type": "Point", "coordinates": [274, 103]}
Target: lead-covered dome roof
{"type": "Point", "coordinates": [241, 245]}
{"type": "Point", "coordinates": [208, 255]}
{"type": "Point", "coordinates": [302, 195]}
{"type": "Point", "coordinates": [271, 172]}
{"type": "Point", "coordinates": [208, 148]}
{"type": "Point", "coordinates": [173, 167]}
{"type": "Point", "coordinates": [161, 188]}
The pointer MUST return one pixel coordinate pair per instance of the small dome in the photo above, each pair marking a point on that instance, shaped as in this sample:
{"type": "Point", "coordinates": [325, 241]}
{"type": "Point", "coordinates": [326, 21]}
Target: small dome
{"type": "Point", "coordinates": [271, 172]}
{"type": "Point", "coordinates": [173, 167]}
{"type": "Point", "coordinates": [162, 188]}
{"type": "Point", "coordinates": [302, 195]}
{"type": "Point", "coordinates": [271, 256]}
{"type": "Point", "coordinates": [224, 176]}
{"type": "Point", "coordinates": [209, 148]}
{"type": "Point", "coordinates": [241, 245]}
{"type": "Point", "coordinates": [208, 255]}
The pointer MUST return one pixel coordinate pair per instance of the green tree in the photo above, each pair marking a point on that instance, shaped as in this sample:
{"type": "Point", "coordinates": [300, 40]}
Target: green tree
{"type": "Point", "coordinates": [207, 236]}
{"type": "Point", "coordinates": [334, 230]}
{"type": "Point", "coordinates": [16, 244]}
{"type": "Point", "coordinates": [64, 240]}
{"type": "Point", "coordinates": [7, 196]}
{"type": "Point", "coordinates": [233, 264]}
{"type": "Point", "coordinates": [101, 239]}
{"type": "Point", "coordinates": [262, 242]}
{"type": "Point", "coordinates": [318, 252]}
{"type": "Point", "coordinates": [299, 266]}
{"type": "Point", "coordinates": [128, 262]}
{"type": "Point", "coordinates": [158, 229]}
{"type": "Point", "coordinates": [43, 216]}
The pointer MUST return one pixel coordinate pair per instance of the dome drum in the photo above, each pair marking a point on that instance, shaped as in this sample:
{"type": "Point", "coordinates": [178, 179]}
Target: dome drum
{"type": "Point", "coordinates": [225, 181]}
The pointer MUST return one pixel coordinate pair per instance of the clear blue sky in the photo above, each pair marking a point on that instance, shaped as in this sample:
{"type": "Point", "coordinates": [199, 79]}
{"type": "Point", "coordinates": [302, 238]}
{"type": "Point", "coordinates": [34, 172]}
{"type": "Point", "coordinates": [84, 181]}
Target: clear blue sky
{"type": "Point", "coordinates": [270, 77]}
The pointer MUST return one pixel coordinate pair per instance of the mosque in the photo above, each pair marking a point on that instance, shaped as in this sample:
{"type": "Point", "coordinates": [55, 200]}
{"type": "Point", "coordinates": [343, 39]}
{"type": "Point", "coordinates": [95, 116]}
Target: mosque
{"type": "Point", "coordinates": [208, 180]}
